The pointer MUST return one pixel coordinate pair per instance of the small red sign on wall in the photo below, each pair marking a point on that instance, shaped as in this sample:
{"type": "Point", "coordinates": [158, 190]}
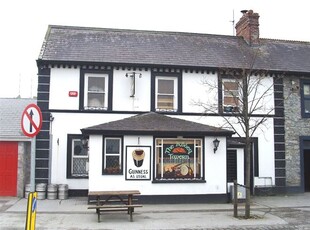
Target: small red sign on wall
{"type": "Point", "coordinates": [73, 93]}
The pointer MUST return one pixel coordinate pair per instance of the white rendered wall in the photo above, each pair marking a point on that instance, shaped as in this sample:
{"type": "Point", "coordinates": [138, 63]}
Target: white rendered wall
{"type": "Point", "coordinates": [64, 80]}
{"type": "Point", "coordinates": [215, 171]}
{"type": "Point", "coordinates": [240, 168]}
{"type": "Point", "coordinates": [215, 164]}
{"type": "Point", "coordinates": [122, 91]}
{"type": "Point", "coordinates": [262, 91]}
{"type": "Point", "coordinates": [197, 89]}
{"type": "Point", "coordinates": [72, 123]}
{"type": "Point", "coordinates": [61, 82]}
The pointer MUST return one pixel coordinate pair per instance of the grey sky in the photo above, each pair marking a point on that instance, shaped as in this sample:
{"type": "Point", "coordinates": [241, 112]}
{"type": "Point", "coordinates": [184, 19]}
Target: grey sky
{"type": "Point", "coordinates": [24, 23]}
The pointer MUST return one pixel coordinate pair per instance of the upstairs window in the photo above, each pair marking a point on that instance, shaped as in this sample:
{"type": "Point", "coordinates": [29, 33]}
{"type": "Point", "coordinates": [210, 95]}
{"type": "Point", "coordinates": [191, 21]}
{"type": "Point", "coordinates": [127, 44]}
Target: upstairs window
{"type": "Point", "coordinates": [231, 95]}
{"type": "Point", "coordinates": [112, 156]}
{"type": "Point", "coordinates": [96, 92]}
{"type": "Point", "coordinates": [166, 94]}
{"type": "Point", "coordinates": [305, 99]}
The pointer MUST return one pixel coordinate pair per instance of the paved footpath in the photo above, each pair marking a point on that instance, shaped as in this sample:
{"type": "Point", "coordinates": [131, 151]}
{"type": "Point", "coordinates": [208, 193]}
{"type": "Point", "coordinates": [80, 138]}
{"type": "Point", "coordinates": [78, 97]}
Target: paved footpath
{"type": "Point", "coordinates": [268, 212]}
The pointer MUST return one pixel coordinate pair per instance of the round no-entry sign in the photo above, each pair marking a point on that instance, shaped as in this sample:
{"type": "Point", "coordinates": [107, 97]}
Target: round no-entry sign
{"type": "Point", "coordinates": [31, 120]}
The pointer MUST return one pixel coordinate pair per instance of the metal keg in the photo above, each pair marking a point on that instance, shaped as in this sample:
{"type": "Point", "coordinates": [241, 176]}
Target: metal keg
{"type": "Point", "coordinates": [41, 191]}
{"type": "Point", "coordinates": [52, 191]}
{"type": "Point", "coordinates": [63, 191]}
{"type": "Point", "coordinates": [27, 190]}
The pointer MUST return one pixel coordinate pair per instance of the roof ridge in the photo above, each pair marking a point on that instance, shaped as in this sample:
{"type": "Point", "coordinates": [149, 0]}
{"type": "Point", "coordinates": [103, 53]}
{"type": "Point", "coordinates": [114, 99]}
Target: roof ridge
{"type": "Point", "coordinates": [138, 31]}
{"type": "Point", "coordinates": [284, 40]}
{"type": "Point", "coordinates": [158, 32]}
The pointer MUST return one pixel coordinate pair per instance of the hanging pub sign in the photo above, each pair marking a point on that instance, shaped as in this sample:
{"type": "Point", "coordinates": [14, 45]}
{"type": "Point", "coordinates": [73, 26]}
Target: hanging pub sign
{"type": "Point", "coordinates": [138, 162]}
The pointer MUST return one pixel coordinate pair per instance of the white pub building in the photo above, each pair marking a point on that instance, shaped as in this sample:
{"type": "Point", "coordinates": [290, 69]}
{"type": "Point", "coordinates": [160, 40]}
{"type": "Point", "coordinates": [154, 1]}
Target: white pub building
{"type": "Point", "coordinates": [126, 109]}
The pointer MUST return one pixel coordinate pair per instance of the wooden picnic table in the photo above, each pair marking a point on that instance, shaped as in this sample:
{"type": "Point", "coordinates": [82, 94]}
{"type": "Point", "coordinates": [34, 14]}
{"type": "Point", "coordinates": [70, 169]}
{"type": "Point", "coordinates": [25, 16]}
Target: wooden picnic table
{"type": "Point", "coordinates": [113, 201]}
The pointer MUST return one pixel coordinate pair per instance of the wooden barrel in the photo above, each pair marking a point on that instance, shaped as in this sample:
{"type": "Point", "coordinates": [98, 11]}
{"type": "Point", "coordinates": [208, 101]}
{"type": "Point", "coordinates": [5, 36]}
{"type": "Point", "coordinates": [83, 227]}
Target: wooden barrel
{"type": "Point", "coordinates": [27, 190]}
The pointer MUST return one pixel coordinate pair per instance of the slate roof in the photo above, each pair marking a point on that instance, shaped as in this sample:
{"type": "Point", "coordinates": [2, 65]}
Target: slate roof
{"type": "Point", "coordinates": [154, 123]}
{"type": "Point", "coordinates": [177, 49]}
{"type": "Point", "coordinates": [11, 110]}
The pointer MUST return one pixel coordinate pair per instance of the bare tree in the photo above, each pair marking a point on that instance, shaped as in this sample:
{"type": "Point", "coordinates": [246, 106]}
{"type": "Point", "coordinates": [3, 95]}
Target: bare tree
{"type": "Point", "coordinates": [245, 105]}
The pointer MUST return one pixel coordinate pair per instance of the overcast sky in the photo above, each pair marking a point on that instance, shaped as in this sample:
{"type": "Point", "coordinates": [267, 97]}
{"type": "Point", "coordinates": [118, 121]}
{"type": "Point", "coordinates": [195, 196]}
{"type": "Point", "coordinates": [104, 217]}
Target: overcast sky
{"type": "Point", "coordinates": [24, 23]}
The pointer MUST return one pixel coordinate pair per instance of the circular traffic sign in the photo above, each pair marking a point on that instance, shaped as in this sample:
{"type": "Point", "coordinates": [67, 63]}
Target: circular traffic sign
{"type": "Point", "coordinates": [31, 120]}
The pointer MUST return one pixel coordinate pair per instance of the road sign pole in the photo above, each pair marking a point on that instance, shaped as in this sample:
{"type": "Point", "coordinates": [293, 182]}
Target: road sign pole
{"type": "Point", "coordinates": [33, 164]}
{"type": "Point", "coordinates": [31, 124]}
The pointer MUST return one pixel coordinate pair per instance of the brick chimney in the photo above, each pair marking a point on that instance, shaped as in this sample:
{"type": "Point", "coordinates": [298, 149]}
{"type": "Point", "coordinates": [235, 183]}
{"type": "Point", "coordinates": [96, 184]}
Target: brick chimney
{"type": "Point", "coordinates": [248, 27]}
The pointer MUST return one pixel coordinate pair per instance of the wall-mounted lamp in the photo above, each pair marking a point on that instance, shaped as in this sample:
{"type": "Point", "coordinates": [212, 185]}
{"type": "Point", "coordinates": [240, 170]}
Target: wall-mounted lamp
{"type": "Point", "coordinates": [216, 143]}
{"type": "Point", "coordinates": [84, 141]}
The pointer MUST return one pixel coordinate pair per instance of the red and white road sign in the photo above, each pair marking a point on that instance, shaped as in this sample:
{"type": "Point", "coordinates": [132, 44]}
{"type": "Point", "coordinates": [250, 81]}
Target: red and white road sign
{"type": "Point", "coordinates": [31, 120]}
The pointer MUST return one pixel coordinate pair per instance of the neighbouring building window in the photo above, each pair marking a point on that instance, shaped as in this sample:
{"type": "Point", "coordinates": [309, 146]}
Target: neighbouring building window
{"type": "Point", "coordinates": [166, 94]}
{"type": "Point", "coordinates": [96, 91]}
{"type": "Point", "coordinates": [112, 156]}
{"type": "Point", "coordinates": [178, 159]}
{"type": "Point", "coordinates": [77, 160]}
{"type": "Point", "coordinates": [231, 95]}
{"type": "Point", "coordinates": [305, 99]}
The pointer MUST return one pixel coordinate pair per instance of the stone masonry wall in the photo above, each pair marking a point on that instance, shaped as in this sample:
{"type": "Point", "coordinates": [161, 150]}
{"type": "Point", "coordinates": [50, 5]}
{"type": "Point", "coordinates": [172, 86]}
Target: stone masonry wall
{"type": "Point", "coordinates": [23, 176]}
{"type": "Point", "coordinates": [295, 126]}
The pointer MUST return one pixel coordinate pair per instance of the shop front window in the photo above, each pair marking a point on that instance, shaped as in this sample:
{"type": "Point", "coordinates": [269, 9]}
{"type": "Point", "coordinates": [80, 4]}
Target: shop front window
{"type": "Point", "coordinates": [178, 159]}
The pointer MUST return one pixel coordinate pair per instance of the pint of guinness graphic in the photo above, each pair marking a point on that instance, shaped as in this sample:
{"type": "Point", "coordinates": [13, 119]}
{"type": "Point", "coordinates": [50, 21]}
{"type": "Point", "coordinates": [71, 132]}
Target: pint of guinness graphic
{"type": "Point", "coordinates": [138, 157]}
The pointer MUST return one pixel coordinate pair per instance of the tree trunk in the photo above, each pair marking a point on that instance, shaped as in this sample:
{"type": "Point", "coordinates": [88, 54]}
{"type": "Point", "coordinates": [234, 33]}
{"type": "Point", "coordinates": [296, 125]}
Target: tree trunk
{"type": "Point", "coordinates": [246, 118]}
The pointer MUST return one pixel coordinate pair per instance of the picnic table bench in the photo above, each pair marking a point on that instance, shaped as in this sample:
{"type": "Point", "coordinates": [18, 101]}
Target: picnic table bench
{"type": "Point", "coordinates": [104, 201]}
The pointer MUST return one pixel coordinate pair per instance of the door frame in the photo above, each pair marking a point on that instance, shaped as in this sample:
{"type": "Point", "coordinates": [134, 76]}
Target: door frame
{"type": "Point", "coordinates": [302, 148]}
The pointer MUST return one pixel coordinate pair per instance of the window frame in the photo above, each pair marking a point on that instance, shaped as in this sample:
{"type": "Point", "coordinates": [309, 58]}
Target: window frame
{"type": "Point", "coordinates": [238, 107]}
{"type": "Point", "coordinates": [160, 166]}
{"type": "Point", "coordinates": [70, 139]}
{"type": "Point", "coordinates": [177, 78]}
{"type": "Point", "coordinates": [174, 95]}
{"type": "Point", "coordinates": [113, 170]}
{"type": "Point", "coordinates": [84, 74]}
{"type": "Point", "coordinates": [104, 92]}
{"type": "Point", "coordinates": [304, 98]}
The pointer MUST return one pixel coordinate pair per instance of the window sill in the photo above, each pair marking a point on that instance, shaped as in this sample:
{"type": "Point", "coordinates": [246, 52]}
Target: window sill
{"type": "Point", "coordinates": [77, 177]}
{"type": "Point", "coordinates": [112, 174]}
{"type": "Point", "coordinates": [231, 109]}
{"type": "Point", "coordinates": [92, 108]}
{"type": "Point", "coordinates": [160, 181]}
{"type": "Point", "coordinates": [166, 110]}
